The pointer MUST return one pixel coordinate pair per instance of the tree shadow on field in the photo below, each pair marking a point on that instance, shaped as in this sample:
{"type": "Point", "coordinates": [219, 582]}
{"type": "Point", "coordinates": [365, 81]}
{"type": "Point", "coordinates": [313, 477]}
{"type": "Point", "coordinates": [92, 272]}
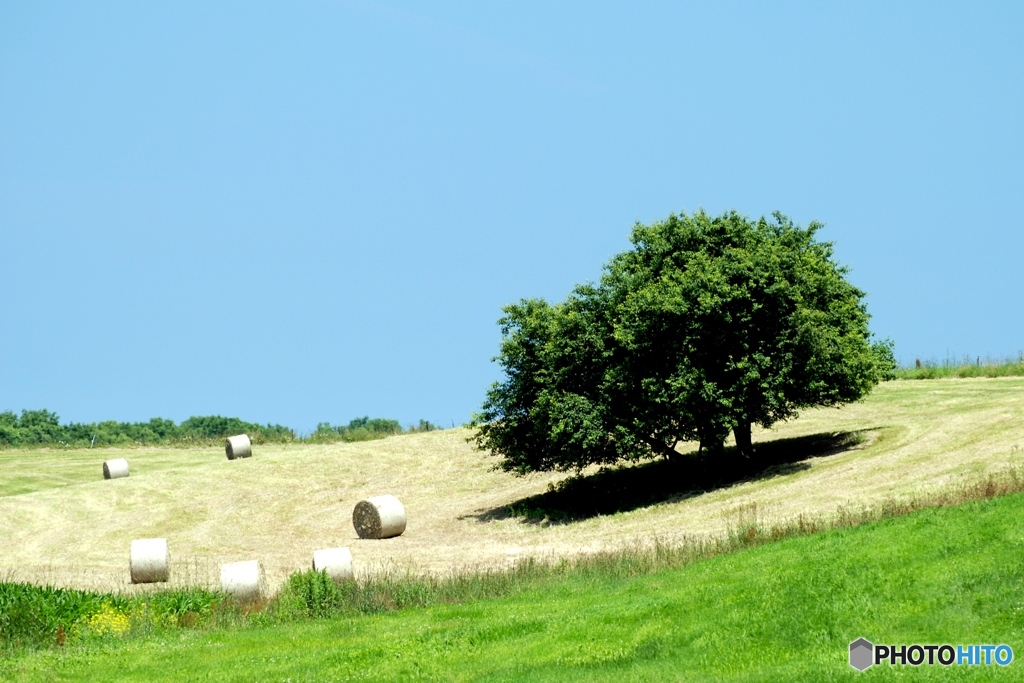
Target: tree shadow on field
{"type": "Point", "coordinates": [625, 488]}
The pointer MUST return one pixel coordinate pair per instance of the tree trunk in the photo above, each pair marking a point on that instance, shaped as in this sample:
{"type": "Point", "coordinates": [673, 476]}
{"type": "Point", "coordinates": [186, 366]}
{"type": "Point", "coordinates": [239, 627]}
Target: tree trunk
{"type": "Point", "coordinates": [663, 449]}
{"type": "Point", "coordinates": [743, 444]}
{"type": "Point", "coordinates": [711, 446]}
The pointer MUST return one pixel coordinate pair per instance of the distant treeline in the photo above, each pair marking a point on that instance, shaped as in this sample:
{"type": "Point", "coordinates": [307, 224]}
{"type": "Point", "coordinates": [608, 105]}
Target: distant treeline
{"type": "Point", "coordinates": [364, 429]}
{"type": "Point", "coordinates": [43, 428]}
{"type": "Point", "coordinates": [964, 367]}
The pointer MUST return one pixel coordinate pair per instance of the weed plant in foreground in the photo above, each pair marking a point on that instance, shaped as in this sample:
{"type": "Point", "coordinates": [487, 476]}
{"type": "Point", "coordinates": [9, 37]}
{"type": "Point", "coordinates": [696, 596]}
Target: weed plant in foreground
{"type": "Point", "coordinates": [43, 616]}
{"type": "Point", "coordinates": [779, 611]}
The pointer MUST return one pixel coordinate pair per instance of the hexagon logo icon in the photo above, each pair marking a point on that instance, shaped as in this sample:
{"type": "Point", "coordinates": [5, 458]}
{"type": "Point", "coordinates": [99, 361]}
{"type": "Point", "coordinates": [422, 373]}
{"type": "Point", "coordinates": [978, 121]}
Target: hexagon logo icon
{"type": "Point", "coordinates": [862, 654]}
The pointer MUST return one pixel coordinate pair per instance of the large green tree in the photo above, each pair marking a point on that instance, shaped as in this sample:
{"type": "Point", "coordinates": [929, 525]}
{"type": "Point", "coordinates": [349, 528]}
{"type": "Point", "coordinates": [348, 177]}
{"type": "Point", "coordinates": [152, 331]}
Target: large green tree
{"type": "Point", "coordinates": [707, 326]}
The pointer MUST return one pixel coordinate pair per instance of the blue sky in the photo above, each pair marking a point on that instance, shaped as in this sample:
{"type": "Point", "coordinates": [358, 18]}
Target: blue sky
{"type": "Point", "coordinates": [311, 211]}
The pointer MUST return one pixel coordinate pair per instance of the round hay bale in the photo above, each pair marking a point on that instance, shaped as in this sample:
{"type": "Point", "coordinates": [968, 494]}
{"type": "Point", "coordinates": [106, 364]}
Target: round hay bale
{"type": "Point", "coordinates": [244, 581]}
{"type": "Point", "coordinates": [337, 562]}
{"type": "Point", "coordinates": [115, 469]}
{"type": "Point", "coordinates": [238, 447]}
{"type": "Point", "coordinates": [150, 560]}
{"type": "Point", "coordinates": [379, 517]}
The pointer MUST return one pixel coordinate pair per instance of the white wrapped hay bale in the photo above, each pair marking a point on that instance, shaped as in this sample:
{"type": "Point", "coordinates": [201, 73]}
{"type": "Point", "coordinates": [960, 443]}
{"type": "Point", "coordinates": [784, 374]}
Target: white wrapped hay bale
{"type": "Point", "coordinates": [115, 469]}
{"type": "Point", "coordinates": [379, 517]}
{"type": "Point", "coordinates": [244, 581]}
{"type": "Point", "coordinates": [150, 560]}
{"type": "Point", "coordinates": [238, 447]}
{"type": "Point", "coordinates": [337, 562]}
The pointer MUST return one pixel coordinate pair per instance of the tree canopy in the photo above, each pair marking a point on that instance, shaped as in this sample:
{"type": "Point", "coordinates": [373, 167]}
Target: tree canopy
{"type": "Point", "coordinates": [708, 325]}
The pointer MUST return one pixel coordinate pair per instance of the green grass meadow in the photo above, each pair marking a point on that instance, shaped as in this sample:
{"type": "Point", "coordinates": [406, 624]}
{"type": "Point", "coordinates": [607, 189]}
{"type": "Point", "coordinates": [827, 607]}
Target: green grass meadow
{"type": "Point", "coordinates": [782, 611]}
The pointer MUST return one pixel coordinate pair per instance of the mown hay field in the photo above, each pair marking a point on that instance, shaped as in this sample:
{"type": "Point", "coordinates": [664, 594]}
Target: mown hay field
{"type": "Point", "coordinates": [61, 523]}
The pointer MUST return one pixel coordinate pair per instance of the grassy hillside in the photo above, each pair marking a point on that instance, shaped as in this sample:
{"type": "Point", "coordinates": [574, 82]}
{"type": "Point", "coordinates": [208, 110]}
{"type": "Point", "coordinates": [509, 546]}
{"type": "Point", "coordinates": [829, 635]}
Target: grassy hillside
{"type": "Point", "coordinates": [61, 523]}
{"type": "Point", "coordinates": [783, 611]}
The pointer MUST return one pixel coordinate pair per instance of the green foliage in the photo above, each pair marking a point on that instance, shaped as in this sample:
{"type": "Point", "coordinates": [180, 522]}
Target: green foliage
{"type": "Point", "coordinates": [41, 616]}
{"type": "Point", "coordinates": [182, 602]}
{"type": "Point", "coordinates": [43, 428]}
{"type": "Point", "coordinates": [216, 427]}
{"type": "Point", "coordinates": [709, 325]}
{"type": "Point", "coordinates": [424, 426]}
{"type": "Point", "coordinates": [359, 429]}
{"type": "Point", "coordinates": [962, 368]}
{"type": "Point", "coordinates": [34, 614]}
{"type": "Point", "coordinates": [312, 594]}
{"type": "Point", "coordinates": [885, 359]}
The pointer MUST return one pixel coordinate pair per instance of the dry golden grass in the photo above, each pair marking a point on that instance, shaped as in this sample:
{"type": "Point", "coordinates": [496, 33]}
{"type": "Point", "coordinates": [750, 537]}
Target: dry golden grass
{"type": "Point", "coordinates": [63, 524]}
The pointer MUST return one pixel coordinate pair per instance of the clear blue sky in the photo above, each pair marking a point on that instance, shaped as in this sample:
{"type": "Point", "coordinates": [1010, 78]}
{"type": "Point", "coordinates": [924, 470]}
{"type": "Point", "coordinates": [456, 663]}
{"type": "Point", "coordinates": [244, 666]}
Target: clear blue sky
{"type": "Point", "coordinates": [299, 212]}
